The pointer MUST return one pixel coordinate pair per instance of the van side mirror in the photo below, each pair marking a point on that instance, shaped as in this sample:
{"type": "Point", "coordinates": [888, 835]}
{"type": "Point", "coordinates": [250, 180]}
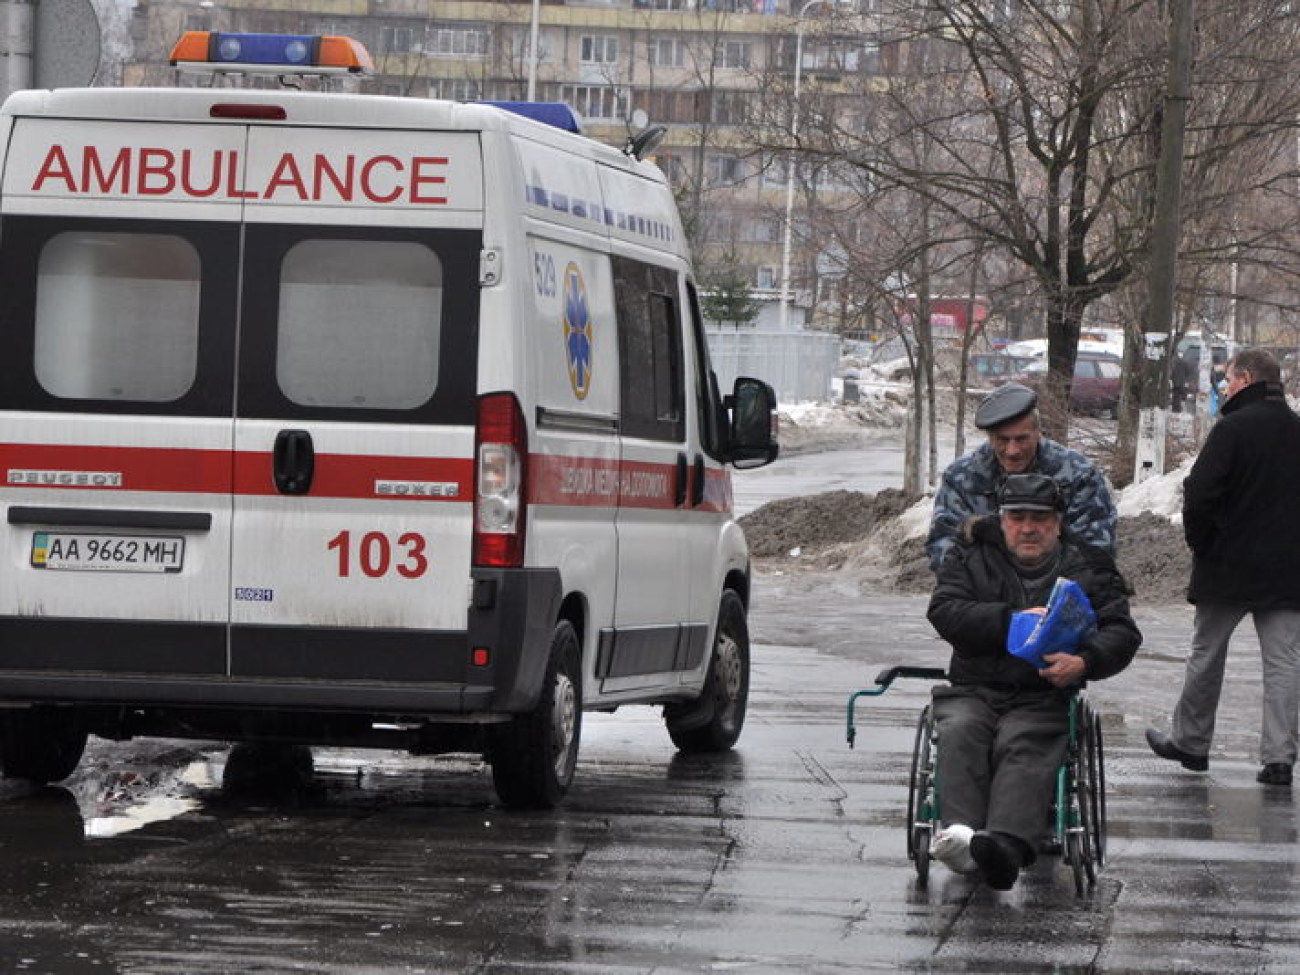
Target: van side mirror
{"type": "Point", "coordinates": [752, 434]}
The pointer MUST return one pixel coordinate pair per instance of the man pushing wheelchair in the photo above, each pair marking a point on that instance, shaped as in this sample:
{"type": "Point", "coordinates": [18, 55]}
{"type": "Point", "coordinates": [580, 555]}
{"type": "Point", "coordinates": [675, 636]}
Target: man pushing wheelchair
{"type": "Point", "coordinates": [1031, 614]}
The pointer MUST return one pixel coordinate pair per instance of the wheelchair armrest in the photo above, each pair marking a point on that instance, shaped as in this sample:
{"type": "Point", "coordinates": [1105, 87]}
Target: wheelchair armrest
{"type": "Point", "coordinates": [891, 674]}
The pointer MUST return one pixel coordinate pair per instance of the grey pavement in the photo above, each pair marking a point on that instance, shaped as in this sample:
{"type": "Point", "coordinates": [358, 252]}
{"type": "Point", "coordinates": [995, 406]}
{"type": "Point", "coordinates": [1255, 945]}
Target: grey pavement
{"type": "Point", "coordinates": [1202, 869]}
{"type": "Point", "coordinates": [785, 856]}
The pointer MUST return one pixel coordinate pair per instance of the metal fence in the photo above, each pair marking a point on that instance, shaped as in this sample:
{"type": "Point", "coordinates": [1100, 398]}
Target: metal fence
{"type": "Point", "coordinates": [799, 365]}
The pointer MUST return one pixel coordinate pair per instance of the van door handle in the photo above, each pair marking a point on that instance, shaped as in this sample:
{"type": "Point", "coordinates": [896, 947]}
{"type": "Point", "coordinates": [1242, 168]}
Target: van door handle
{"type": "Point", "coordinates": [679, 497]}
{"type": "Point", "coordinates": [295, 461]}
{"type": "Point", "coordinates": [697, 482]}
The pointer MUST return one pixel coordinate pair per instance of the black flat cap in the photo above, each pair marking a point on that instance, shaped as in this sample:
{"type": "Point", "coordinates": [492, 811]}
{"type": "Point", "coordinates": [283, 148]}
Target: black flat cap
{"type": "Point", "coordinates": [1030, 492]}
{"type": "Point", "coordinates": [1004, 404]}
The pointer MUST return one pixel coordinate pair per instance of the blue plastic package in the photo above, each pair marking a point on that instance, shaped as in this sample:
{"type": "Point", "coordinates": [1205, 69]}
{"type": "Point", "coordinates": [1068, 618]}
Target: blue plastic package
{"type": "Point", "coordinates": [1069, 620]}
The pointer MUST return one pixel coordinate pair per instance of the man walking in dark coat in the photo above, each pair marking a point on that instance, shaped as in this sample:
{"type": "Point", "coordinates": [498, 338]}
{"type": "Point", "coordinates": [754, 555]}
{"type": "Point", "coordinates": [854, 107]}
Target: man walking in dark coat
{"type": "Point", "coordinates": [1242, 523]}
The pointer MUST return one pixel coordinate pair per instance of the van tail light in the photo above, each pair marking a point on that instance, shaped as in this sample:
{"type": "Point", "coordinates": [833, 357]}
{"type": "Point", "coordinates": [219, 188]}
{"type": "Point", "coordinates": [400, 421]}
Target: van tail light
{"type": "Point", "coordinates": [500, 482]}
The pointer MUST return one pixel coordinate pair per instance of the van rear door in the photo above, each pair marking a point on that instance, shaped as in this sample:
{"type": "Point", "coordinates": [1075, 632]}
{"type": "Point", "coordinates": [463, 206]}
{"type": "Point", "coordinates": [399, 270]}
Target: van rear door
{"type": "Point", "coordinates": [356, 403]}
{"type": "Point", "coordinates": [117, 322]}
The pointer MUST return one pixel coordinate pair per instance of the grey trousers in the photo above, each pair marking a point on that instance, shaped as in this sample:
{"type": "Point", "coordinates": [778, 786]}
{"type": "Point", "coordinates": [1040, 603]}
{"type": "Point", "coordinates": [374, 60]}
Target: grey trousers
{"type": "Point", "coordinates": [999, 751]}
{"type": "Point", "coordinates": [1279, 645]}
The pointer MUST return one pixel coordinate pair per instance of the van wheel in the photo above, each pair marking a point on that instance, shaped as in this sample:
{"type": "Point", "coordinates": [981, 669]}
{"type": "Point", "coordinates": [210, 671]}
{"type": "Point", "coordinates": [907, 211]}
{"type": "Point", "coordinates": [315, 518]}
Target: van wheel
{"type": "Point", "coordinates": [41, 745]}
{"type": "Point", "coordinates": [534, 755]}
{"type": "Point", "coordinates": [713, 722]}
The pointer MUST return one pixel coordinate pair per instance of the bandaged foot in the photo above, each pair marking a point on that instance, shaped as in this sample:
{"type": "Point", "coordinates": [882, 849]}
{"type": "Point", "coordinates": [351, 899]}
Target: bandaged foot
{"type": "Point", "coordinates": [951, 847]}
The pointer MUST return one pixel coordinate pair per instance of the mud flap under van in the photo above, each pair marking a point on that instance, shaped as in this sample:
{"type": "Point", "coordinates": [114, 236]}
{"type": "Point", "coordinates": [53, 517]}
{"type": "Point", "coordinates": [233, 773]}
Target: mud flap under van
{"type": "Point", "coordinates": [512, 614]}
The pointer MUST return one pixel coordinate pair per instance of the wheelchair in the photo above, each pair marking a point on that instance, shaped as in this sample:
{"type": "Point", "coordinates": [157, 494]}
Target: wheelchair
{"type": "Point", "coordinates": [1077, 826]}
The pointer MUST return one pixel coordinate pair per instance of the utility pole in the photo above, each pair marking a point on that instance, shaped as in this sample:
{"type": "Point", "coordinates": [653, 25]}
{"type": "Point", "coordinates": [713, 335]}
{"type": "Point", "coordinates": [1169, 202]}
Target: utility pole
{"type": "Point", "coordinates": [17, 37]}
{"type": "Point", "coordinates": [47, 44]}
{"type": "Point", "coordinates": [1150, 453]}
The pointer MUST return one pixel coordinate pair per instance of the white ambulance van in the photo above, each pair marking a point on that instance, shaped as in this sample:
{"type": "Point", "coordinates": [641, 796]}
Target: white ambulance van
{"type": "Point", "coordinates": [340, 419]}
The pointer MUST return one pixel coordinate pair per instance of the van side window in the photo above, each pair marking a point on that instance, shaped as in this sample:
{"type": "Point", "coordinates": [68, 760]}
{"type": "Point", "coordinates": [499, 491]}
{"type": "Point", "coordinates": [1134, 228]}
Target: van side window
{"type": "Point", "coordinates": [650, 352]}
{"type": "Point", "coordinates": [359, 323]}
{"type": "Point", "coordinates": [713, 415]}
{"type": "Point", "coordinates": [117, 316]}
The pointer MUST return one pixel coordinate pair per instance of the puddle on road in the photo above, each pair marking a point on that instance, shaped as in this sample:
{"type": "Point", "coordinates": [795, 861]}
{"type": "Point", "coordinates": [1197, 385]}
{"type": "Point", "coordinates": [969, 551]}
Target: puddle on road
{"type": "Point", "coordinates": [125, 821]}
{"type": "Point", "coordinates": [129, 802]}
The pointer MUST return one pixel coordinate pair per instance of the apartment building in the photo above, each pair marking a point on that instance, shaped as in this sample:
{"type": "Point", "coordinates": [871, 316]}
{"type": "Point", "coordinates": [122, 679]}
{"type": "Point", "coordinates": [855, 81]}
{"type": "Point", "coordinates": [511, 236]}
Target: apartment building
{"type": "Point", "coordinates": [699, 68]}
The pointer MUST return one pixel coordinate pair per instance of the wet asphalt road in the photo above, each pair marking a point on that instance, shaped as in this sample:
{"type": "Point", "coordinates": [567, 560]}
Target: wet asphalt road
{"type": "Point", "coordinates": [785, 856]}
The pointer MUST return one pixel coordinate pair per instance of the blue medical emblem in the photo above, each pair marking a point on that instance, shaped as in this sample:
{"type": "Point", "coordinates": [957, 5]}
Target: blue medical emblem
{"type": "Point", "coordinates": [577, 331]}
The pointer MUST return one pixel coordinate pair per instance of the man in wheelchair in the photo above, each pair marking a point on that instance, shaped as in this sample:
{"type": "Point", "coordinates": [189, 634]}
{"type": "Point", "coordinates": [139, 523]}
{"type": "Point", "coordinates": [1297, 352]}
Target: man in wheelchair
{"type": "Point", "coordinates": [1002, 722]}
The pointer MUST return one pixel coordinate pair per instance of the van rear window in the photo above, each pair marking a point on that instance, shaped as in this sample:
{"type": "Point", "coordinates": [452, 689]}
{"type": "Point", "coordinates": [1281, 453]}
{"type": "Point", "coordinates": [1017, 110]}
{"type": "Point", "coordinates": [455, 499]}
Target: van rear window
{"type": "Point", "coordinates": [117, 316]}
{"type": "Point", "coordinates": [335, 348]}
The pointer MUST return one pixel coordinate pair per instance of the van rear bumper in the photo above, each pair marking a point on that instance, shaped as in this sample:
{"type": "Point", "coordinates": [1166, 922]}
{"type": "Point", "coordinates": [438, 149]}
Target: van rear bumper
{"type": "Point", "coordinates": [362, 670]}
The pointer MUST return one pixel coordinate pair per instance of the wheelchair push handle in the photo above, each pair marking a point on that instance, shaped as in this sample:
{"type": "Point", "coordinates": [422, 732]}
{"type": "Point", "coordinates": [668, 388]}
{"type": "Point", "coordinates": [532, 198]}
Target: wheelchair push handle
{"type": "Point", "coordinates": [883, 680]}
{"type": "Point", "coordinates": [891, 674]}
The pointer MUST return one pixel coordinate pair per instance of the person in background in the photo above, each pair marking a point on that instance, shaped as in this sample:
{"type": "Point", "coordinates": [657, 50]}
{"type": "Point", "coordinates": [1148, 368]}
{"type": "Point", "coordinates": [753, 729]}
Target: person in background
{"type": "Point", "coordinates": [1015, 445]}
{"type": "Point", "coordinates": [1002, 722]}
{"type": "Point", "coordinates": [1182, 378]}
{"type": "Point", "coordinates": [1242, 523]}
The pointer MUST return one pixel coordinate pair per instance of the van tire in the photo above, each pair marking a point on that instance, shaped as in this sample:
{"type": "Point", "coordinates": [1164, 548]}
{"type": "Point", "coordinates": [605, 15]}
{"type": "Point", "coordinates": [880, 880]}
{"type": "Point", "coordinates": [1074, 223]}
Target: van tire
{"type": "Point", "coordinates": [41, 745]}
{"type": "Point", "coordinates": [713, 722]}
{"type": "Point", "coordinates": [534, 755]}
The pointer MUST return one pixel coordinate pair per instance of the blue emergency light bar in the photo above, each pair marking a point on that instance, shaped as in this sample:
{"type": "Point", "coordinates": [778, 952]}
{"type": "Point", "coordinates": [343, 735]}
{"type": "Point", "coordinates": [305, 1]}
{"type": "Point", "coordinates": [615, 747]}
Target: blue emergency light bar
{"type": "Point", "coordinates": [557, 114]}
{"type": "Point", "coordinates": [201, 50]}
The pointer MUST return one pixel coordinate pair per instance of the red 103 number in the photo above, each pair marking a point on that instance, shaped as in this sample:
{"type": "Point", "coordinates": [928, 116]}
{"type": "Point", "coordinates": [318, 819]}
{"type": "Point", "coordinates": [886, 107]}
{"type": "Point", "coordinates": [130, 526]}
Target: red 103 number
{"type": "Point", "coordinates": [375, 555]}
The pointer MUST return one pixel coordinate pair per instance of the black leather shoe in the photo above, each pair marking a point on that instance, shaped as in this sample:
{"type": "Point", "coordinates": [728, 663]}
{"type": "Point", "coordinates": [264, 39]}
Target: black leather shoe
{"type": "Point", "coordinates": [999, 858]}
{"type": "Point", "coordinates": [1275, 773]}
{"type": "Point", "coordinates": [1162, 746]}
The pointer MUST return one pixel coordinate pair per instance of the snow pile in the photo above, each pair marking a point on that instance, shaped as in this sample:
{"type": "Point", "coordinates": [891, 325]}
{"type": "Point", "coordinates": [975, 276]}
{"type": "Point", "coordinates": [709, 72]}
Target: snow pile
{"type": "Point", "coordinates": [915, 521]}
{"type": "Point", "coordinates": [807, 427]}
{"type": "Point", "coordinates": [1161, 495]}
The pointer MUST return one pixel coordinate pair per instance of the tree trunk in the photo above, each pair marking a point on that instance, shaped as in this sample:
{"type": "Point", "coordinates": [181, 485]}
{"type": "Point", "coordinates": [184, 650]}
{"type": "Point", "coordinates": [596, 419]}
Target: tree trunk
{"type": "Point", "coordinates": [1064, 316]}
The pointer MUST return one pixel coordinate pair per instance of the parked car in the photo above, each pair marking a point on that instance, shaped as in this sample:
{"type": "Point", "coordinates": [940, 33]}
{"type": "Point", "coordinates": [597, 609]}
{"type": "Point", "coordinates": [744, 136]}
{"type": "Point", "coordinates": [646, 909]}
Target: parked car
{"type": "Point", "coordinates": [995, 368]}
{"type": "Point", "coordinates": [1098, 379]}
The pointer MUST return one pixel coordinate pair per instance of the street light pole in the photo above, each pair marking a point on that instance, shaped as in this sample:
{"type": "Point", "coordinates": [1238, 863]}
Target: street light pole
{"type": "Point", "coordinates": [790, 167]}
{"type": "Point", "coordinates": [793, 165]}
{"type": "Point", "coordinates": [534, 22]}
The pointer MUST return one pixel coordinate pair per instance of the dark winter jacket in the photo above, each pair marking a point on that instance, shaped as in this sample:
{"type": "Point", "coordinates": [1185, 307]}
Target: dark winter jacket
{"type": "Point", "coordinates": [969, 489]}
{"type": "Point", "coordinates": [1241, 515]}
{"type": "Point", "coordinates": [978, 589]}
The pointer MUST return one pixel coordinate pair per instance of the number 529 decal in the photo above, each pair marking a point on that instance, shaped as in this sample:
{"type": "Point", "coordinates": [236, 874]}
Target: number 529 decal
{"type": "Point", "coordinates": [376, 555]}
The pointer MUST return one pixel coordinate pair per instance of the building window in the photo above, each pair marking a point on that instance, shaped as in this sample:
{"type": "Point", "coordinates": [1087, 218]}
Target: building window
{"type": "Point", "coordinates": [766, 278]}
{"type": "Point", "coordinates": [775, 171]}
{"type": "Point", "coordinates": [727, 107]}
{"type": "Point", "coordinates": [596, 101]}
{"type": "Point", "coordinates": [733, 54]}
{"type": "Point", "coordinates": [668, 106]}
{"type": "Point", "coordinates": [502, 91]}
{"type": "Point", "coordinates": [724, 170]}
{"type": "Point", "coordinates": [673, 166]}
{"type": "Point", "coordinates": [599, 49]}
{"type": "Point", "coordinates": [666, 52]}
{"type": "Point", "coordinates": [455, 89]}
{"type": "Point", "coordinates": [759, 231]}
{"type": "Point", "coordinates": [458, 42]}
{"type": "Point", "coordinates": [397, 40]}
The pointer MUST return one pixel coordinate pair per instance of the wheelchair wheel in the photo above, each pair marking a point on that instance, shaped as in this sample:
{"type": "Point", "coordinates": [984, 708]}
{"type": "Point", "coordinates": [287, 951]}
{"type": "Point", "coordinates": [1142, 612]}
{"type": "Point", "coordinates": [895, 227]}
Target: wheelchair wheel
{"type": "Point", "coordinates": [1077, 857]}
{"type": "Point", "coordinates": [920, 799]}
{"type": "Point", "coordinates": [1084, 799]}
{"type": "Point", "coordinates": [1095, 767]}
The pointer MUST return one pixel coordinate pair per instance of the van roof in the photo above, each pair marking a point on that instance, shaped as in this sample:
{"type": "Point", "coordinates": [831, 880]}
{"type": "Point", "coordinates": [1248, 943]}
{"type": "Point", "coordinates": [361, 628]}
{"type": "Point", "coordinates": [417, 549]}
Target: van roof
{"type": "Point", "coordinates": [317, 109]}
